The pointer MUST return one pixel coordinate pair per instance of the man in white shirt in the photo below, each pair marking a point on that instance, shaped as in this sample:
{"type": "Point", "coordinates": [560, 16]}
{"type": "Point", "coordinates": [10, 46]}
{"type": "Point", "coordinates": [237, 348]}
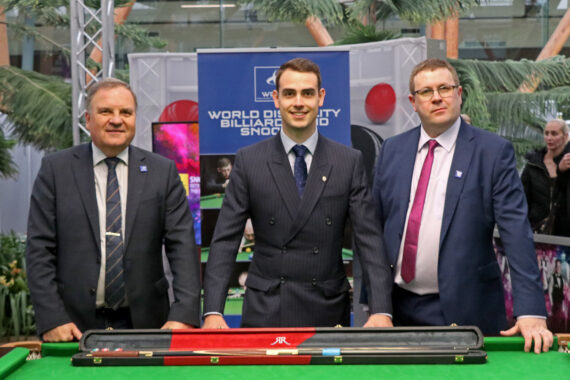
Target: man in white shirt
{"type": "Point", "coordinates": [440, 189]}
{"type": "Point", "coordinates": [299, 188]}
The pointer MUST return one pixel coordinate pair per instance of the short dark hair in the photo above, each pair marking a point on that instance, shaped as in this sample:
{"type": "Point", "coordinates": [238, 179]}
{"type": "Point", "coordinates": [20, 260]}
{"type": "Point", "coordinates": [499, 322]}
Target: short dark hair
{"type": "Point", "coordinates": [302, 65]}
{"type": "Point", "coordinates": [432, 64]}
{"type": "Point", "coordinates": [223, 162]}
{"type": "Point", "coordinates": [106, 83]}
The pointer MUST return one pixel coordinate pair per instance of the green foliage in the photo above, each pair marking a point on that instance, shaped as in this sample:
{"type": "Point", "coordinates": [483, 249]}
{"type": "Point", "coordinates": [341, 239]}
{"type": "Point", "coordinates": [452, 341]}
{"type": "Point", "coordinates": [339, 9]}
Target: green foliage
{"type": "Point", "coordinates": [7, 166]}
{"type": "Point", "coordinates": [39, 105]}
{"type": "Point", "coordinates": [16, 313]}
{"type": "Point", "coordinates": [298, 11]}
{"type": "Point", "coordinates": [492, 96]}
{"type": "Point", "coordinates": [358, 33]}
{"type": "Point", "coordinates": [418, 12]}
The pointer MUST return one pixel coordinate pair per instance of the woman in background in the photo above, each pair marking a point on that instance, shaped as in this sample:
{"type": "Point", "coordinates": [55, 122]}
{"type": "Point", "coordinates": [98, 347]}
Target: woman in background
{"type": "Point", "coordinates": [546, 184]}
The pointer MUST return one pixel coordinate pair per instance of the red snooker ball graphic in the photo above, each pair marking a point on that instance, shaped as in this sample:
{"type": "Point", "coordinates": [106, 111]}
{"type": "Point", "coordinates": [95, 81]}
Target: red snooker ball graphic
{"type": "Point", "coordinates": [180, 110]}
{"type": "Point", "coordinates": [380, 103]}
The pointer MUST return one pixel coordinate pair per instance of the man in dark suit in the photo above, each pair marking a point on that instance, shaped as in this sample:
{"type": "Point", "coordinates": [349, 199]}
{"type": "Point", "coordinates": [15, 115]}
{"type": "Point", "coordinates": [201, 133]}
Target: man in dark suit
{"type": "Point", "coordinates": [296, 277]}
{"type": "Point", "coordinates": [438, 208]}
{"type": "Point", "coordinates": [92, 265]}
{"type": "Point", "coordinates": [220, 180]}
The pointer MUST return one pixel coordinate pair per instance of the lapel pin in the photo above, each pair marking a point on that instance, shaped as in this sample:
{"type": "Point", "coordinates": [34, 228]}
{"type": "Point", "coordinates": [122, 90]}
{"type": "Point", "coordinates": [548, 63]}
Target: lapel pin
{"type": "Point", "coordinates": [143, 169]}
{"type": "Point", "coordinates": [458, 174]}
{"type": "Point", "coordinates": [324, 178]}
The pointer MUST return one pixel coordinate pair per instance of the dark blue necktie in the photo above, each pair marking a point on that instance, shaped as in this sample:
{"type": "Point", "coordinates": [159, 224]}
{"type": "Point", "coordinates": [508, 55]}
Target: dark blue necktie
{"type": "Point", "coordinates": [300, 169]}
{"type": "Point", "coordinates": [114, 281]}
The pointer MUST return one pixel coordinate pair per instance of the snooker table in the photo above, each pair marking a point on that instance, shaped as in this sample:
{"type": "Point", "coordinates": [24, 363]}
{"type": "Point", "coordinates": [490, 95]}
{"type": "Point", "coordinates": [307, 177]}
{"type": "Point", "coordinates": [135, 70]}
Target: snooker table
{"type": "Point", "coordinates": [506, 360]}
{"type": "Point", "coordinates": [212, 201]}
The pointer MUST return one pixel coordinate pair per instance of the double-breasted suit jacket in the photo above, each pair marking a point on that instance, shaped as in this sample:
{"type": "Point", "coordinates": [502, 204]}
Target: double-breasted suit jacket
{"type": "Point", "coordinates": [296, 277]}
{"type": "Point", "coordinates": [483, 189]}
{"type": "Point", "coordinates": [63, 248]}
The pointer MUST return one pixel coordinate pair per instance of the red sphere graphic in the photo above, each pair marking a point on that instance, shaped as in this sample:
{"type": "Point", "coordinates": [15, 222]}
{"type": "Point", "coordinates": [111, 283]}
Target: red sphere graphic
{"type": "Point", "coordinates": [180, 110]}
{"type": "Point", "coordinates": [380, 103]}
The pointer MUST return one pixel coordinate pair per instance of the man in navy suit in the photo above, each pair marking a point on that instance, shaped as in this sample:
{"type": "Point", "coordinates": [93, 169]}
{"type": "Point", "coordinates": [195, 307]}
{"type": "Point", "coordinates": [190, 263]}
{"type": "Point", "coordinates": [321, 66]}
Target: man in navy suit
{"type": "Point", "coordinates": [296, 277]}
{"type": "Point", "coordinates": [445, 270]}
{"type": "Point", "coordinates": [68, 256]}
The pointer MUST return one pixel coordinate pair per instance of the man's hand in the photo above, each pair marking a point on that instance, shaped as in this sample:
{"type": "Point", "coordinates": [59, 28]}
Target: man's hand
{"type": "Point", "coordinates": [63, 333]}
{"type": "Point", "coordinates": [564, 163]}
{"type": "Point", "coordinates": [379, 320]}
{"type": "Point", "coordinates": [532, 329]}
{"type": "Point", "coordinates": [214, 321]}
{"type": "Point", "coordinates": [173, 325]}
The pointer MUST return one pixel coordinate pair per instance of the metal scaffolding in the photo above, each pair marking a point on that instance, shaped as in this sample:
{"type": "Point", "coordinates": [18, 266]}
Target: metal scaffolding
{"type": "Point", "coordinates": [90, 29]}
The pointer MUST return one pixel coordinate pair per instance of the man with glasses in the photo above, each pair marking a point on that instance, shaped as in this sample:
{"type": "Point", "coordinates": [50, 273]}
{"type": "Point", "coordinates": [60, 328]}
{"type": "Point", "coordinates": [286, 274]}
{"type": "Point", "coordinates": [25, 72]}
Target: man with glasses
{"type": "Point", "coordinates": [441, 188]}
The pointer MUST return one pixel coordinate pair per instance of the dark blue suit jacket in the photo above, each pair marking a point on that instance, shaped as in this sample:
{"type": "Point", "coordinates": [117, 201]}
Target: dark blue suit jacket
{"type": "Point", "coordinates": [483, 189]}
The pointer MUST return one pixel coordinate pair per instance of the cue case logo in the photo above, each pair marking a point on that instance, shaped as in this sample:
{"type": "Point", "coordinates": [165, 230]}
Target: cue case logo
{"type": "Point", "coordinates": [264, 82]}
{"type": "Point", "coordinates": [280, 340]}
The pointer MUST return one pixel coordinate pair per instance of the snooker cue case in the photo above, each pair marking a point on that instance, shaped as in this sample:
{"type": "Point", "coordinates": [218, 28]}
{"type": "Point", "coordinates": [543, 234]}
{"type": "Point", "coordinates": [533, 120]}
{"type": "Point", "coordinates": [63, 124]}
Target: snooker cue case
{"type": "Point", "coordinates": [244, 346]}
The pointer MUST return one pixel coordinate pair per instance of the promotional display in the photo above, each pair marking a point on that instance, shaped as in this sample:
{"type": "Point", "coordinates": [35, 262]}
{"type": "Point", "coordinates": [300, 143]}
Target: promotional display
{"type": "Point", "coordinates": [179, 142]}
{"type": "Point", "coordinates": [236, 104]}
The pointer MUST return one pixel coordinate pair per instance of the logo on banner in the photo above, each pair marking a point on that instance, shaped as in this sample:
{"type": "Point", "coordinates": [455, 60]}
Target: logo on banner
{"type": "Point", "coordinates": [264, 77]}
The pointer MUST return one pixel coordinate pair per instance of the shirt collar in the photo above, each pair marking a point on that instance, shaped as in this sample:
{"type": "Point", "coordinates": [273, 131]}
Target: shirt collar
{"type": "Point", "coordinates": [310, 143]}
{"type": "Point", "coordinates": [99, 156]}
{"type": "Point", "coordinates": [446, 140]}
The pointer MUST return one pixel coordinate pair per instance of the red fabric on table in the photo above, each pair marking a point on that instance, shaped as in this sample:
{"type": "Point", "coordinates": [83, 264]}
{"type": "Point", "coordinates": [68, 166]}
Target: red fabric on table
{"type": "Point", "coordinates": [267, 338]}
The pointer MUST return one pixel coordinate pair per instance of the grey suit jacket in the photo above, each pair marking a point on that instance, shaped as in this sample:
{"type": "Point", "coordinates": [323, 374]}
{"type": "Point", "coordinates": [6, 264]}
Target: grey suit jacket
{"type": "Point", "coordinates": [296, 277]}
{"type": "Point", "coordinates": [63, 247]}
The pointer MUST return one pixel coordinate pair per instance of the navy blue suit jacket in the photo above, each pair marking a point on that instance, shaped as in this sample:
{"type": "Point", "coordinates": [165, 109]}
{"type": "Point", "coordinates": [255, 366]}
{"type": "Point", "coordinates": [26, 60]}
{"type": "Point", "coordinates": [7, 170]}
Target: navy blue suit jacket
{"type": "Point", "coordinates": [483, 189]}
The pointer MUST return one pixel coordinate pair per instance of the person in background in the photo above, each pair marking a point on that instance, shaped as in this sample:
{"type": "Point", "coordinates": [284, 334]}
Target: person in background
{"type": "Point", "coordinates": [545, 185]}
{"type": "Point", "coordinates": [219, 182]}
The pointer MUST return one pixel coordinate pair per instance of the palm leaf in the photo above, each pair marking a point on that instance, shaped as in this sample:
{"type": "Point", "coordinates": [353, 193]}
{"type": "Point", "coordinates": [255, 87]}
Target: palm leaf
{"type": "Point", "coordinates": [297, 11]}
{"type": "Point", "coordinates": [358, 33]}
{"type": "Point", "coordinates": [7, 165]}
{"type": "Point", "coordinates": [39, 106]}
{"type": "Point", "coordinates": [419, 12]}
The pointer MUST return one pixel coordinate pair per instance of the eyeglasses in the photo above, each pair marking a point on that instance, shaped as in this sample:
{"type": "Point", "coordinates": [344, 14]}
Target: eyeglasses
{"type": "Point", "coordinates": [444, 91]}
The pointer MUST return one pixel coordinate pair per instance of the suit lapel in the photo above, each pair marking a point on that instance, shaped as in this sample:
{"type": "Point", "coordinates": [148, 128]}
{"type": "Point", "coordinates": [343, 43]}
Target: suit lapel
{"type": "Point", "coordinates": [457, 174]}
{"type": "Point", "coordinates": [82, 169]}
{"type": "Point", "coordinates": [407, 159]}
{"type": "Point", "coordinates": [137, 179]}
{"type": "Point", "coordinates": [319, 175]}
{"type": "Point", "coordinates": [283, 177]}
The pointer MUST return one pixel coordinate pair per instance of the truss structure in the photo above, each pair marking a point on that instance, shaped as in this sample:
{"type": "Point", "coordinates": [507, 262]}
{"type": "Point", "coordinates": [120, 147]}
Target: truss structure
{"type": "Point", "coordinates": [90, 29]}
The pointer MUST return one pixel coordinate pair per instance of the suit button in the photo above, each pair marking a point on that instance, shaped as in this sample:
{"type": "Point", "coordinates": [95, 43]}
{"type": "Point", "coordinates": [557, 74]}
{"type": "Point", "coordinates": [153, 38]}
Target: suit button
{"type": "Point", "coordinates": [316, 250]}
{"type": "Point", "coordinates": [272, 221]}
{"type": "Point", "coordinates": [284, 249]}
{"type": "Point", "coordinates": [92, 291]}
{"type": "Point", "coordinates": [391, 266]}
{"type": "Point", "coordinates": [328, 220]}
{"type": "Point", "coordinates": [283, 280]}
{"type": "Point", "coordinates": [314, 282]}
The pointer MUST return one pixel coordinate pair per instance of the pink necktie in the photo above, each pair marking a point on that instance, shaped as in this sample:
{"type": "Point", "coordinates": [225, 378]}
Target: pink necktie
{"type": "Point", "coordinates": [408, 270]}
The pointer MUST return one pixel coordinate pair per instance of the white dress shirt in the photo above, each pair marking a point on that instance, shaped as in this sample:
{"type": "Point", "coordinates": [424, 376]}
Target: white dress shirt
{"type": "Point", "coordinates": [310, 144]}
{"type": "Point", "coordinates": [425, 281]}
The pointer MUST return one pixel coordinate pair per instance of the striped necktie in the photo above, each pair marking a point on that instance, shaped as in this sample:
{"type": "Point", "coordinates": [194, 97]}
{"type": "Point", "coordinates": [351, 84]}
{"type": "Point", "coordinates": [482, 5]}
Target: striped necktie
{"type": "Point", "coordinates": [114, 281]}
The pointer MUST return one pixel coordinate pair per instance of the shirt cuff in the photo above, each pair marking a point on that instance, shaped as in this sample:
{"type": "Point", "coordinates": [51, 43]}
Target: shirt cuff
{"type": "Point", "coordinates": [212, 313]}
{"type": "Point", "coordinates": [531, 316]}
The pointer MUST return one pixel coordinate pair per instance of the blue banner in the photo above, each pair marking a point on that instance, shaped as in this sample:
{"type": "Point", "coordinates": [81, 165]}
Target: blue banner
{"type": "Point", "coordinates": [235, 95]}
